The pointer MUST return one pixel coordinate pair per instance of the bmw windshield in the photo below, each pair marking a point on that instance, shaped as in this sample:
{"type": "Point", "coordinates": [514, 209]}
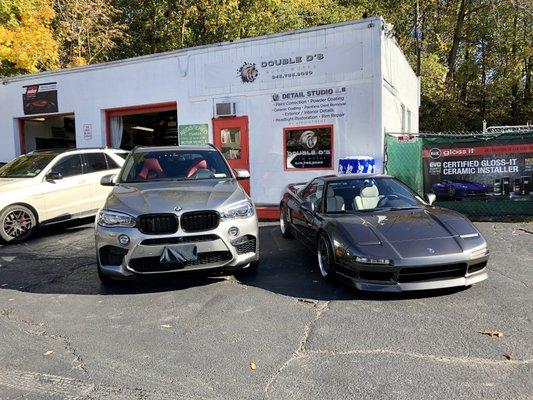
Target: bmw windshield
{"type": "Point", "coordinates": [160, 165]}
{"type": "Point", "coordinates": [27, 166]}
{"type": "Point", "coordinates": [364, 195]}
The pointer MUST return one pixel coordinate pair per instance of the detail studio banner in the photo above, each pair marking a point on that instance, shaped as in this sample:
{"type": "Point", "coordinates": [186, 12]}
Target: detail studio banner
{"type": "Point", "coordinates": [40, 99]}
{"type": "Point", "coordinates": [495, 169]}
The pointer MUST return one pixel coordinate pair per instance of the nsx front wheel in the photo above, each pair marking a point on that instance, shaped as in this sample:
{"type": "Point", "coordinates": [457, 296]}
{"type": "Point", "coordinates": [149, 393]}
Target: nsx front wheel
{"type": "Point", "coordinates": [17, 223]}
{"type": "Point", "coordinates": [326, 262]}
{"type": "Point", "coordinates": [284, 223]}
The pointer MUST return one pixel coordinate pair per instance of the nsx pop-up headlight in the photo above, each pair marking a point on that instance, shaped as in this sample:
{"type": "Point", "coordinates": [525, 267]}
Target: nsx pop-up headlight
{"type": "Point", "coordinates": [368, 260]}
{"type": "Point", "coordinates": [112, 219]}
{"type": "Point", "coordinates": [242, 210]}
{"type": "Point", "coordinates": [479, 252]}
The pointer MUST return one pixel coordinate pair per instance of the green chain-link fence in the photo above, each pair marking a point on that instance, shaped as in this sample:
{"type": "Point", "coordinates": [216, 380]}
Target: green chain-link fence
{"type": "Point", "coordinates": [479, 174]}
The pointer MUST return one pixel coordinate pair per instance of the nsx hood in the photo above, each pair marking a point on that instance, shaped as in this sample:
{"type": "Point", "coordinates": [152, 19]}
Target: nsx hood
{"type": "Point", "coordinates": [410, 233]}
{"type": "Point", "coordinates": [166, 197]}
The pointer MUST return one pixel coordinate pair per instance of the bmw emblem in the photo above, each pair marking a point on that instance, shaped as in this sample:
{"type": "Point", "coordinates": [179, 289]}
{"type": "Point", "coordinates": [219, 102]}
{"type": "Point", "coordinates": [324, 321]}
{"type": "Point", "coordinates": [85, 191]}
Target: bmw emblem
{"type": "Point", "coordinates": [178, 209]}
{"type": "Point", "coordinates": [430, 250]}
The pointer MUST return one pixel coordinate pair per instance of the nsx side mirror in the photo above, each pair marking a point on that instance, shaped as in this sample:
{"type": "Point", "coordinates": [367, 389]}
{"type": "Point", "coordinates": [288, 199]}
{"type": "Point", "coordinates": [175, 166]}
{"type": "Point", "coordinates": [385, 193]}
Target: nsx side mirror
{"type": "Point", "coordinates": [241, 174]}
{"type": "Point", "coordinates": [108, 180]}
{"type": "Point", "coordinates": [430, 197]}
{"type": "Point", "coordinates": [53, 176]}
{"type": "Point", "coordinates": [308, 206]}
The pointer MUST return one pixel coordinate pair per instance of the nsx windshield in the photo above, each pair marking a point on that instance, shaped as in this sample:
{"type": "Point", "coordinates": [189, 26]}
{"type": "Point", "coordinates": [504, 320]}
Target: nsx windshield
{"type": "Point", "coordinates": [362, 195]}
{"type": "Point", "coordinates": [27, 166]}
{"type": "Point", "coordinates": [177, 165]}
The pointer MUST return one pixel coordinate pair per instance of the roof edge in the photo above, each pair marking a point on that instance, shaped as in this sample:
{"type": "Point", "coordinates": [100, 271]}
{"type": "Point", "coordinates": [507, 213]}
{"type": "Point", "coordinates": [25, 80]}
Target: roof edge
{"type": "Point", "coordinates": [178, 52]}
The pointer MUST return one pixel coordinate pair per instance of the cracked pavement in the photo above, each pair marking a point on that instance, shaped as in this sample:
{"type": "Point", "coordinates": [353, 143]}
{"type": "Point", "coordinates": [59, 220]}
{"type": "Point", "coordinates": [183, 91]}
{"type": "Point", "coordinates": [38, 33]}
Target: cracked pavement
{"type": "Point", "coordinates": [194, 337]}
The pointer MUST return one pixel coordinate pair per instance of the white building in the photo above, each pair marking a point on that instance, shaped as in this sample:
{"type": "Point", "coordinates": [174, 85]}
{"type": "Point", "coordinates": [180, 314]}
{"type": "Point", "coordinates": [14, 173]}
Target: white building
{"type": "Point", "coordinates": [285, 106]}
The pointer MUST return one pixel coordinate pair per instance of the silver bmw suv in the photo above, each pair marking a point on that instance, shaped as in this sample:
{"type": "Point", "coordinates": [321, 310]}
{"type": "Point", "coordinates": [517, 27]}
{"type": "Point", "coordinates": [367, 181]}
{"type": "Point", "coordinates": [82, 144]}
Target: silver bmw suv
{"type": "Point", "coordinates": [176, 209]}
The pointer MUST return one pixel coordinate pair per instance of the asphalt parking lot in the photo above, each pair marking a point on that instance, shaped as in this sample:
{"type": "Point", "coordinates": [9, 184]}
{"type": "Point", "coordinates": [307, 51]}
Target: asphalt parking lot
{"type": "Point", "coordinates": [64, 336]}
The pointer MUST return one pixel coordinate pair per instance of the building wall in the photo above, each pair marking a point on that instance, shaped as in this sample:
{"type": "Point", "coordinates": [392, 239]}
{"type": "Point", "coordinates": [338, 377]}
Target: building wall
{"type": "Point", "coordinates": [401, 95]}
{"type": "Point", "coordinates": [344, 58]}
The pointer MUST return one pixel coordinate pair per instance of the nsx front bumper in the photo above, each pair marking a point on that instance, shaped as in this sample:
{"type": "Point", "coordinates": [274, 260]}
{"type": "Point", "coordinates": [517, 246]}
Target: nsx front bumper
{"type": "Point", "coordinates": [455, 273]}
{"type": "Point", "coordinates": [216, 248]}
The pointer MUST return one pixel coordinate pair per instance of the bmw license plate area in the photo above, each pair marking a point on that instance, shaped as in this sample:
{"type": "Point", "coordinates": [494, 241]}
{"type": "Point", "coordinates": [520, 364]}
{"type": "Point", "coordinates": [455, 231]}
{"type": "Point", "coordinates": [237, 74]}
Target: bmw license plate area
{"type": "Point", "coordinates": [179, 255]}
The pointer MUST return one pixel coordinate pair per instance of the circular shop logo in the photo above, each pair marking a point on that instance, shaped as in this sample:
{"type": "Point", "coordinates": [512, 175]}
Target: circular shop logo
{"type": "Point", "coordinates": [275, 97]}
{"type": "Point", "coordinates": [434, 153]}
{"type": "Point", "coordinates": [248, 72]}
{"type": "Point", "coordinates": [309, 139]}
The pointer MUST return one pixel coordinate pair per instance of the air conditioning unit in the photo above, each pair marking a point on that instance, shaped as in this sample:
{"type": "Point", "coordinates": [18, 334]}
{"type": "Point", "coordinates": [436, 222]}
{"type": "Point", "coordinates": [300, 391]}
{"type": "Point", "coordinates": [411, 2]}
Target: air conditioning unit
{"type": "Point", "coordinates": [225, 110]}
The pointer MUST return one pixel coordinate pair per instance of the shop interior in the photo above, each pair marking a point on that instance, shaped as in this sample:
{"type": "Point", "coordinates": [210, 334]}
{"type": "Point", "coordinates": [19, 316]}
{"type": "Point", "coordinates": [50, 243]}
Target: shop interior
{"type": "Point", "coordinates": [48, 132]}
{"type": "Point", "coordinates": [145, 129]}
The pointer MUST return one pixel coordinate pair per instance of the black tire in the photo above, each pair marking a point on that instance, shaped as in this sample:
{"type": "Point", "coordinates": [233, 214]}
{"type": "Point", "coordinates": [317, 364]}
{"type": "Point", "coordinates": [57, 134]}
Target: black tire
{"type": "Point", "coordinates": [248, 271]}
{"type": "Point", "coordinates": [284, 224]}
{"type": "Point", "coordinates": [326, 261]}
{"type": "Point", "coordinates": [17, 223]}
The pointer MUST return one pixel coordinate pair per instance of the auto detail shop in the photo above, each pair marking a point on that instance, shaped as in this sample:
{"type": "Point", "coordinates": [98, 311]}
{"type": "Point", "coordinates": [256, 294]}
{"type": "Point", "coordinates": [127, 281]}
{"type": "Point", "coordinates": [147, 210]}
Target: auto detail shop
{"type": "Point", "coordinates": [286, 106]}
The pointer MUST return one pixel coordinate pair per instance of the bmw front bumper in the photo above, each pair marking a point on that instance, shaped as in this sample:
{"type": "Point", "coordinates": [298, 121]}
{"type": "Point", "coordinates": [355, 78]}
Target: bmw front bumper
{"type": "Point", "coordinates": [216, 248]}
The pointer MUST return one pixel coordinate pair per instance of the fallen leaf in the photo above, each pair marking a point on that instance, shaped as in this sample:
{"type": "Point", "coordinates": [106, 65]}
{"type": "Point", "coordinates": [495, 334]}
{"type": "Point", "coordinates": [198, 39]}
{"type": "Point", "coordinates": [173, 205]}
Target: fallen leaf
{"type": "Point", "coordinates": [508, 356]}
{"type": "Point", "coordinates": [492, 333]}
{"type": "Point", "coordinates": [253, 367]}
{"type": "Point", "coordinates": [48, 353]}
{"type": "Point", "coordinates": [165, 326]}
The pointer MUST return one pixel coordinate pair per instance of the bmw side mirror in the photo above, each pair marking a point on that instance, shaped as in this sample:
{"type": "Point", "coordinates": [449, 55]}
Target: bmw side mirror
{"type": "Point", "coordinates": [53, 176]}
{"type": "Point", "coordinates": [108, 180]}
{"type": "Point", "coordinates": [430, 197]}
{"type": "Point", "coordinates": [308, 206]}
{"type": "Point", "coordinates": [241, 174]}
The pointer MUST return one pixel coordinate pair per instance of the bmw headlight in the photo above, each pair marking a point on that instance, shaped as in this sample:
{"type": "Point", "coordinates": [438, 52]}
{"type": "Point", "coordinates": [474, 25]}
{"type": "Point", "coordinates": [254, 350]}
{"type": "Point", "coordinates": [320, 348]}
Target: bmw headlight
{"type": "Point", "coordinates": [112, 219]}
{"type": "Point", "coordinates": [242, 210]}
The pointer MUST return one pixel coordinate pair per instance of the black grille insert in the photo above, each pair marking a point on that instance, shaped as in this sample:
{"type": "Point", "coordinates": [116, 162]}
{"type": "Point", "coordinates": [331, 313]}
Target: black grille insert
{"type": "Point", "coordinates": [181, 239]}
{"type": "Point", "coordinates": [417, 274]}
{"type": "Point", "coordinates": [245, 244]}
{"type": "Point", "coordinates": [477, 267]}
{"type": "Point", "coordinates": [156, 224]}
{"type": "Point", "coordinates": [112, 255]}
{"type": "Point", "coordinates": [199, 221]}
{"type": "Point", "coordinates": [152, 264]}
{"type": "Point", "coordinates": [376, 276]}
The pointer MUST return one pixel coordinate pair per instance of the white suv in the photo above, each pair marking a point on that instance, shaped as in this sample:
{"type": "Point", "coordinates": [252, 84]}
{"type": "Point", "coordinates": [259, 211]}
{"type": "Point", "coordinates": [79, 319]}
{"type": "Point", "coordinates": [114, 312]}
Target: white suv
{"type": "Point", "coordinates": [50, 186]}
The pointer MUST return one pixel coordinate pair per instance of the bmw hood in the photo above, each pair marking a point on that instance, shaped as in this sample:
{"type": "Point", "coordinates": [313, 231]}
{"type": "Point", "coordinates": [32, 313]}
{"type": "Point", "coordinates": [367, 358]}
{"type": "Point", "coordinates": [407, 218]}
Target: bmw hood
{"type": "Point", "coordinates": [412, 233]}
{"type": "Point", "coordinates": [168, 197]}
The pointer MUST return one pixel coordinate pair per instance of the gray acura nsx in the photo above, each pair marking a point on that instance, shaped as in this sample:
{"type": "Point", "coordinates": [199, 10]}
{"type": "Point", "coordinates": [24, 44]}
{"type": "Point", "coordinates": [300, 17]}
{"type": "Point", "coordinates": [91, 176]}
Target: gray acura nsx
{"type": "Point", "coordinates": [375, 231]}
